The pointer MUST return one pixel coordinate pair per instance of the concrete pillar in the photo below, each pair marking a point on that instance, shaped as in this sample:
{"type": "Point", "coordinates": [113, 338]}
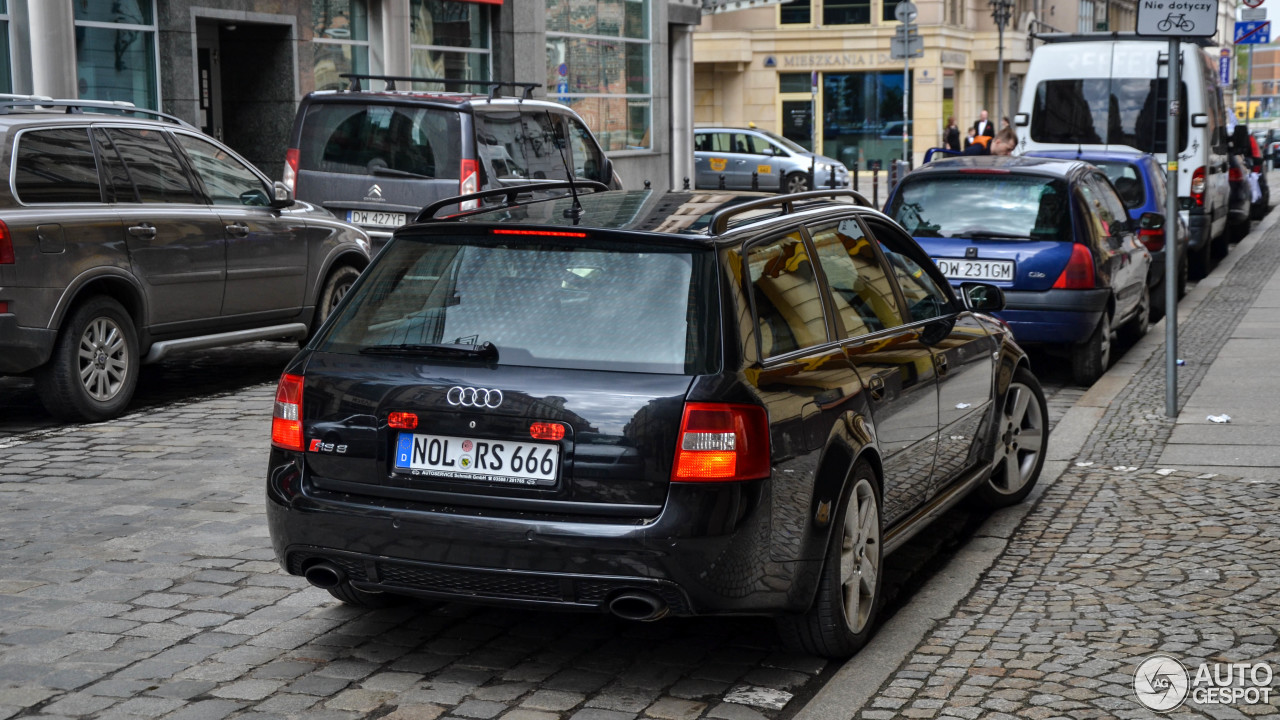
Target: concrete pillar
{"type": "Point", "coordinates": [396, 58]}
{"type": "Point", "coordinates": [53, 65]}
{"type": "Point", "coordinates": [681, 104]}
{"type": "Point", "coordinates": [519, 44]}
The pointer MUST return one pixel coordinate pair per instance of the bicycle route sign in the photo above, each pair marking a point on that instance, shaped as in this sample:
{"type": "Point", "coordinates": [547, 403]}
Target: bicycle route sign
{"type": "Point", "coordinates": [1177, 18]}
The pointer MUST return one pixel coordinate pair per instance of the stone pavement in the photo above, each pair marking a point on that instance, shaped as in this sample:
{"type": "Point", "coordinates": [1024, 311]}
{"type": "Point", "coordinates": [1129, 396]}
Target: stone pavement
{"type": "Point", "coordinates": [1140, 546]}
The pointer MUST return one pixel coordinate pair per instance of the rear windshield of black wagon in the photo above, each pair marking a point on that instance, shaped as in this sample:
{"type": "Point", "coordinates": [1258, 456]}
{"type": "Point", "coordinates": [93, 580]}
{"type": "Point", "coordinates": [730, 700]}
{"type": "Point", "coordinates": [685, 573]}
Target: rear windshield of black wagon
{"type": "Point", "coordinates": [621, 307]}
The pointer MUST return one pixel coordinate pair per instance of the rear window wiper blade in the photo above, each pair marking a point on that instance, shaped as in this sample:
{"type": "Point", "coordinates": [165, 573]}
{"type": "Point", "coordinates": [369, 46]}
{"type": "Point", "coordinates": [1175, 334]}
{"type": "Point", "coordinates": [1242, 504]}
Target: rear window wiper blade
{"type": "Point", "coordinates": [990, 234]}
{"type": "Point", "coordinates": [484, 351]}
{"type": "Point", "coordinates": [399, 173]}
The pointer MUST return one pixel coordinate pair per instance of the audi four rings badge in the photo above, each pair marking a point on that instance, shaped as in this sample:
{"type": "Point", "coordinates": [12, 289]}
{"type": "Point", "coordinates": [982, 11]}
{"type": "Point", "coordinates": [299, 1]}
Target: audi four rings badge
{"type": "Point", "coordinates": [473, 397]}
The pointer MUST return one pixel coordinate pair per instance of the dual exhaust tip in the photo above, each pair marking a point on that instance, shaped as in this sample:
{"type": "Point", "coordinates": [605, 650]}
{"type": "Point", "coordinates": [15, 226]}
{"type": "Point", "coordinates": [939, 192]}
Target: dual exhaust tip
{"type": "Point", "coordinates": [638, 605]}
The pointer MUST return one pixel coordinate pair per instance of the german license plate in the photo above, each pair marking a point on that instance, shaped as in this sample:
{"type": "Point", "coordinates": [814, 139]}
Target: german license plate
{"type": "Point", "coordinates": [976, 269]}
{"type": "Point", "coordinates": [376, 219]}
{"type": "Point", "coordinates": [459, 458]}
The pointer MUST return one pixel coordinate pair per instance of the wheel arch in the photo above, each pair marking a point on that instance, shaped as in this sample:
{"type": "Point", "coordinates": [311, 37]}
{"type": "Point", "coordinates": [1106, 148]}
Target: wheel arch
{"type": "Point", "coordinates": [118, 285]}
{"type": "Point", "coordinates": [339, 258]}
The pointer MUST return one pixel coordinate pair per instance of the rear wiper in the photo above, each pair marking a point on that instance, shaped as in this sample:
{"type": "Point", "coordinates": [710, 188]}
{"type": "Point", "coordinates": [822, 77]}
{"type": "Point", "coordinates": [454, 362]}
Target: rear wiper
{"type": "Point", "coordinates": [484, 351]}
{"type": "Point", "coordinates": [399, 173]}
{"type": "Point", "coordinates": [990, 234]}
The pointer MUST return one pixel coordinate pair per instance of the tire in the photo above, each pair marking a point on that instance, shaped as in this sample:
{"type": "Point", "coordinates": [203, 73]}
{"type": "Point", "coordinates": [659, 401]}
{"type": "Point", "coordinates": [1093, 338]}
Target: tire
{"type": "Point", "coordinates": [355, 597]}
{"type": "Point", "coordinates": [1182, 277]}
{"type": "Point", "coordinates": [1137, 326]}
{"type": "Point", "coordinates": [1090, 358]}
{"type": "Point", "coordinates": [1023, 436]}
{"type": "Point", "coordinates": [850, 590]}
{"type": "Point", "coordinates": [795, 182]}
{"type": "Point", "coordinates": [1202, 262]}
{"type": "Point", "coordinates": [1157, 302]}
{"type": "Point", "coordinates": [93, 371]}
{"type": "Point", "coordinates": [335, 288]}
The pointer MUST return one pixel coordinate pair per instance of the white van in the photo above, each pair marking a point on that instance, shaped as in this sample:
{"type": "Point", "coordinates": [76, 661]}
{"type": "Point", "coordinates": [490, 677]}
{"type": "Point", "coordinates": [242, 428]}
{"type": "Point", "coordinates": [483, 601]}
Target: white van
{"type": "Point", "coordinates": [1108, 91]}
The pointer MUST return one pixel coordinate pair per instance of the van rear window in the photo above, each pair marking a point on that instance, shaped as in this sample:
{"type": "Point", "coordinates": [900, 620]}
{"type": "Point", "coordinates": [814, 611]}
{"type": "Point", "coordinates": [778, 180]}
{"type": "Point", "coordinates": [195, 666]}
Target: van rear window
{"type": "Point", "coordinates": [1105, 111]}
{"type": "Point", "coordinates": [359, 139]}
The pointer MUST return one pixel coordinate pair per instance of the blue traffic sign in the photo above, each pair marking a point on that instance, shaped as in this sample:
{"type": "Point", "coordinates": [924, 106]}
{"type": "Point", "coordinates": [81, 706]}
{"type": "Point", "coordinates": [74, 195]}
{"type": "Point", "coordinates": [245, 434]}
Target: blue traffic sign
{"type": "Point", "coordinates": [1253, 32]}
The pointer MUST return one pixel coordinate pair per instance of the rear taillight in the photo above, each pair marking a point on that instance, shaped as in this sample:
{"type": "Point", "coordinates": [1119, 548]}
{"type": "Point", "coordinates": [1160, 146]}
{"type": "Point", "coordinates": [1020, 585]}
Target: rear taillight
{"type": "Point", "coordinates": [290, 178]}
{"type": "Point", "coordinates": [1151, 231]}
{"type": "Point", "coordinates": [1078, 274]}
{"type": "Point", "coordinates": [286, 420]}
{"type": "Point", "coordinates": [6, 245]}
{"type": "Point", "coordinates": [1197, 187]}
{"type": "Point", "coordinates": [470, 174]}
{"type": "Point", "coordinates": [546, 431]}
{"type": "Point", "coordinates": [1235, 175]}
{"type": "Point", "coordinates": [402, 420]}
{"type": "Point", "coordinates": [720, 442]}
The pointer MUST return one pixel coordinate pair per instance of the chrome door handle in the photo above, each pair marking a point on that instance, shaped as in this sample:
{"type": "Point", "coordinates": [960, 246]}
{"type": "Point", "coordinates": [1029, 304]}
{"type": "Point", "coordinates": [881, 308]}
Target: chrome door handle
{"type": "Point", "coordinates": [146, 230]}
{"type": "Point", "coordinates": [237, 230]}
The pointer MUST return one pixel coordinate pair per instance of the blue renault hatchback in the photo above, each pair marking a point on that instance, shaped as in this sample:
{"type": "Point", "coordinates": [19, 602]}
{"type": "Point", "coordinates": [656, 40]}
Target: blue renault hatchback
{"type": "Point", "coordinates": [1054, 235]}
{"type": "Point", "coordinates": [1140, 181]}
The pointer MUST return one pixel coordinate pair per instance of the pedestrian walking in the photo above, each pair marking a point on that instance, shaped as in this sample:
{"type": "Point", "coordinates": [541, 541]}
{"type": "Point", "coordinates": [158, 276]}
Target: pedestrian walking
{"type": "Point", "coordinates": [951, 136]}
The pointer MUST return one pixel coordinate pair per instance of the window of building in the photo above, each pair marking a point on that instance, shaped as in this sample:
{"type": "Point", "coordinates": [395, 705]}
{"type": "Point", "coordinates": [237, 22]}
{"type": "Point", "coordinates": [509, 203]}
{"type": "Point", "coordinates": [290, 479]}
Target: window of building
{"type": "Point", "coordinates": [796, 12]}
{"type": "Point", "coordinates": [862, 117]}
{"type": "Point", "coordinates": [340, 41]}
{"type": "Point", "coordinates": [847, 12]}
{"type": "Point", "coordinates": [116, 51]}
{"type": "Point", "coordinates": [598, 63]}
{"type": "Point", "coordinates": [889, 10]}
{"type": "Point", "coordinates": [449, 40]}
{"type": "Point", "coordinates": [1086, 16]}
{"type": "Point", "coordinates": [6, 68]}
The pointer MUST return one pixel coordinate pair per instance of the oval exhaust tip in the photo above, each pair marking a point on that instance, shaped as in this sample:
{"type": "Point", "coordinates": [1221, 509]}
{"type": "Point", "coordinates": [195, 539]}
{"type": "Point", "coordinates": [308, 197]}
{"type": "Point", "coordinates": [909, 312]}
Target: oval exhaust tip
{"type": "Point", "coordinates": [324, 575]}
{"type": "Point", "coordinates": [638, 605]}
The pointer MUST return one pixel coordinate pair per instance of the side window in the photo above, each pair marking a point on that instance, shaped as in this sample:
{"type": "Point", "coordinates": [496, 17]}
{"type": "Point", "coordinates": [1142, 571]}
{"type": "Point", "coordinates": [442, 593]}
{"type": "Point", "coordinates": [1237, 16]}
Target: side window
{"type": "Point", "coordinates": [924, 295]}
{"type": "Point", "coordinates": [152, 165]}
{"type": "Point", "coordinates": [861, 292]}
{"type": "Point", "coordinates": [702, 142]}
{"type": "Point", "coordinates": [1089, 214]}
{"type": "Point", "coordinates": [520, 145]}
{"type": "Point", "coordinates": [227, 181]}
{"type": "Point", "coordinates": [56, 166]}
{"type": "Point", "coordinates": [788, 304]}
{"type": "Point", "coordinates": [1097, 197]}
{"type": "Point", "coordinates": [721, 142]}
{"type": "Point", "coordinates": [740, 146]}
{"type": "Point", "coordinates": [758, 145]}
{"type": "Point", "coordinates": [588, 161]}
{"type": "Point", "coordinates": [1116, 210]}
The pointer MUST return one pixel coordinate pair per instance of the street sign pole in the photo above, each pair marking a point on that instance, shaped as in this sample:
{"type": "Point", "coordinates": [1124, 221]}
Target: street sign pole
{"type": "Point", "coordinates": [1171, 233]}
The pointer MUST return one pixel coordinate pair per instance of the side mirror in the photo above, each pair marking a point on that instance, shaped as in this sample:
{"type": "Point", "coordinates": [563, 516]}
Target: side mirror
{"type": "Point", "coordinates": [981, 297]}
{"type": "Point", "coordinates": [281, 195]}
{"type": "Point", "coordinates": [1199, 120]}
{"type": "Point", "coordinates": [1151, 221]}
{"type": "Point", "coordinates": [1021, 119]}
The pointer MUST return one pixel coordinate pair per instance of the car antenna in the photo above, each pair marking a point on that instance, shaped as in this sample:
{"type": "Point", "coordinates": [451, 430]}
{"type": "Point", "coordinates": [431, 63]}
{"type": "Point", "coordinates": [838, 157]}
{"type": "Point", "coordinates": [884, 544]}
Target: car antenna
{"type": "Point", "coordinates": [573, 213]}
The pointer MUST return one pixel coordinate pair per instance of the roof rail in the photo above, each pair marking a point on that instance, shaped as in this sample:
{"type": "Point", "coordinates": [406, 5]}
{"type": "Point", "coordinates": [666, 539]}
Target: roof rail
{"type": "Point", "coordinates": [491, 85]}
{"type": "Point", "coordinates": [720, 220]}
{"type": "Point", "coordinates": [80, 106]}
{"type": "Point", "coordinates": [512, 193]}
{"type": "Point", "coordinates": [1060, 37]}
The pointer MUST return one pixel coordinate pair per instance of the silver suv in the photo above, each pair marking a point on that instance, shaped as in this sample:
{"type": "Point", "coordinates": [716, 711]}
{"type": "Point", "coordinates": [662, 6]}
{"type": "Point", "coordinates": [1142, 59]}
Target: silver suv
{"type": "Point", "coordinates": [735, 154]}
{"type": "Point", "coordinates": [126, 238]}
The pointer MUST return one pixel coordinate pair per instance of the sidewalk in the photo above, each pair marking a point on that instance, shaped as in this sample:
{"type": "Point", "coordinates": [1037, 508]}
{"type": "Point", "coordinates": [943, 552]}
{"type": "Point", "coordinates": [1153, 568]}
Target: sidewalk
{"type": "Point", "coordinates": [1146, 534]}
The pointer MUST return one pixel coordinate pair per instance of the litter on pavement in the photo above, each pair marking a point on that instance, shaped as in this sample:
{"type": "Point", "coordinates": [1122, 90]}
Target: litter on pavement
{"type": "Point", "coordinates": [1223, 418]}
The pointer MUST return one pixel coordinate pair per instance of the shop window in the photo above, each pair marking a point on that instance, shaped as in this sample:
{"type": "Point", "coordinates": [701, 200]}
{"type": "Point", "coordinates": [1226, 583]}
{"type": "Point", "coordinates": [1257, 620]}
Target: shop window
{"type": "Point", "coordinates": [846, 12]}
{"type": "Point", "coordinates": [598, 63]}
{"type": "Point", "coordinates": [340, 41]}
{"type": "Point", "coordinates": [862, 117]}
{"type": "Point", "coordinates": [116, 51]}
{"type": "Point", "coordinates": [794, 82]}
{"type": "Point", "coordinates": [449, 40]}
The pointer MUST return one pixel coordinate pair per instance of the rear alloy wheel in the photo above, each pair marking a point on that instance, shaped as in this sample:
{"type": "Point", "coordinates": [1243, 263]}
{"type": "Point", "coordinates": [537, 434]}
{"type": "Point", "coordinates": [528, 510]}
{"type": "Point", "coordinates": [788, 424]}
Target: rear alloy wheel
{"type": "Point", "coordinates": [335, 288]}
{"type": "Point", "coordinates": [1090, 358]}
{"type": "Point", "coordinates": [843, 615]}
{"type": "Point", "coordinates": [795, 183]}
{"type": "Point", "coordinates": [1138, 325]}
{"type": "Point", "coordinates": [94, 367]}
{"type": "Point", "coordinates": [1020, 445]}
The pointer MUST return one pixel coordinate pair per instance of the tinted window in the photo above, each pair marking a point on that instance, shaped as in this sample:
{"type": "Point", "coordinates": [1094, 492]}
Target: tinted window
{"type": "Point", "coordinates": [1104, 205]}
{"type": "Point", "coordinates": [521, 146]}
{"type": "Point", "coordinates": [588, 161]}
{"type": "Point", "coordinates": [1127, 181]}
{"type": "Point", "coordinates": [542, 305]}
{"type": "Point", "coordinates": [788, 304]}
{"type": "Point", "coordinates": [862, 294]}
{"type": "Point", "coordinates": [152, 167]}
{"type": "Point", "coordinates": [1105, 111]}
{"type": "Point", "coordinates": [982, 205]}
{"type": "Point", "coordinates": [365, 139]}
{"type": "Point", "coordinates": [226, 179]}
{"type": "Point", "coordinates": [924, 294]}
{"type": "Point", "coordinates": [56, 166]}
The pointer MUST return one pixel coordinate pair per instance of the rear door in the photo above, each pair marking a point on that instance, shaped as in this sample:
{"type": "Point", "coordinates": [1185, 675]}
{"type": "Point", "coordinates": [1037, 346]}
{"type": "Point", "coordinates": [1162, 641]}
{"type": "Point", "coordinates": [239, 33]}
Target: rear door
{"type": "Point", "coordinates": [712, 155]}
{"type": "Point", "coordinates": [1125, 258]}
{"type": "Point", "coordinates": [176, 242]}
{"type": "Point", "coordinates": [266, 248]}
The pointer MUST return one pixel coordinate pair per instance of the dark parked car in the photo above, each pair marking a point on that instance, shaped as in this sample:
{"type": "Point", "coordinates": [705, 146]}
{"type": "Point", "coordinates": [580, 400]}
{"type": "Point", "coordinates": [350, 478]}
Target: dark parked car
{"type": "Point", "coordinates": [1241, 207]}
{"type": "Point", "coordinates": [649, 404]}
{"type": "Point", "coordinates": [1053, 234]}
{"type": "Point", "coordinates": [124, 239]}
{"type": "Point", "coordinates": [1140, 181]}
{"type": "Point", "coordinates": [375, 157]}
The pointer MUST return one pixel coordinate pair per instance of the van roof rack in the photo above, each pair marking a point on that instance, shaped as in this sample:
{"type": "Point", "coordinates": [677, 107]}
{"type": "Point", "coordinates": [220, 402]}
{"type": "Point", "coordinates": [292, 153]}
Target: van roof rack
{"type": "Point", "coordinates": [720, 220]}
{"type": "Point", "coordinates": [1060, 37]}
{"type": "Point", "coordinates": [490, 85]}
{"type": "Point", "coordinates": [73, 107]}
{"type": "Point", "coordinates": [512, 194]}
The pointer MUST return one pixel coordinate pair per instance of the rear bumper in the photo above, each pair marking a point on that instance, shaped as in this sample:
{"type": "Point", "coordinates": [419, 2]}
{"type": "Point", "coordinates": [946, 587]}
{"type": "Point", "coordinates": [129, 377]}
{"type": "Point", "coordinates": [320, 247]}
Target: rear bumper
{"type": "Point", "coordinates": [694, 556]}
{"type": "Point", "coordinates": [25, 348]}
{"type": "Point", "coordinates": [1054, 316]}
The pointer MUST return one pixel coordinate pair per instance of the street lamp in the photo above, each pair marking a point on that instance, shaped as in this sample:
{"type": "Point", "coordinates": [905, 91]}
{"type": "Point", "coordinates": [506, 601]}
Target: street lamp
{"type": "Point", "coordinates": [1001, 10]}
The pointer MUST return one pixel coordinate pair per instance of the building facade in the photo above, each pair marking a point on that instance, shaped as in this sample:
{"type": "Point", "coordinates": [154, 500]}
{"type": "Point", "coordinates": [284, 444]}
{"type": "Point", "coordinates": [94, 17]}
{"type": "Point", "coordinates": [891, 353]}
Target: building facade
{"type": "Point", "coordinates": [237, 68]}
